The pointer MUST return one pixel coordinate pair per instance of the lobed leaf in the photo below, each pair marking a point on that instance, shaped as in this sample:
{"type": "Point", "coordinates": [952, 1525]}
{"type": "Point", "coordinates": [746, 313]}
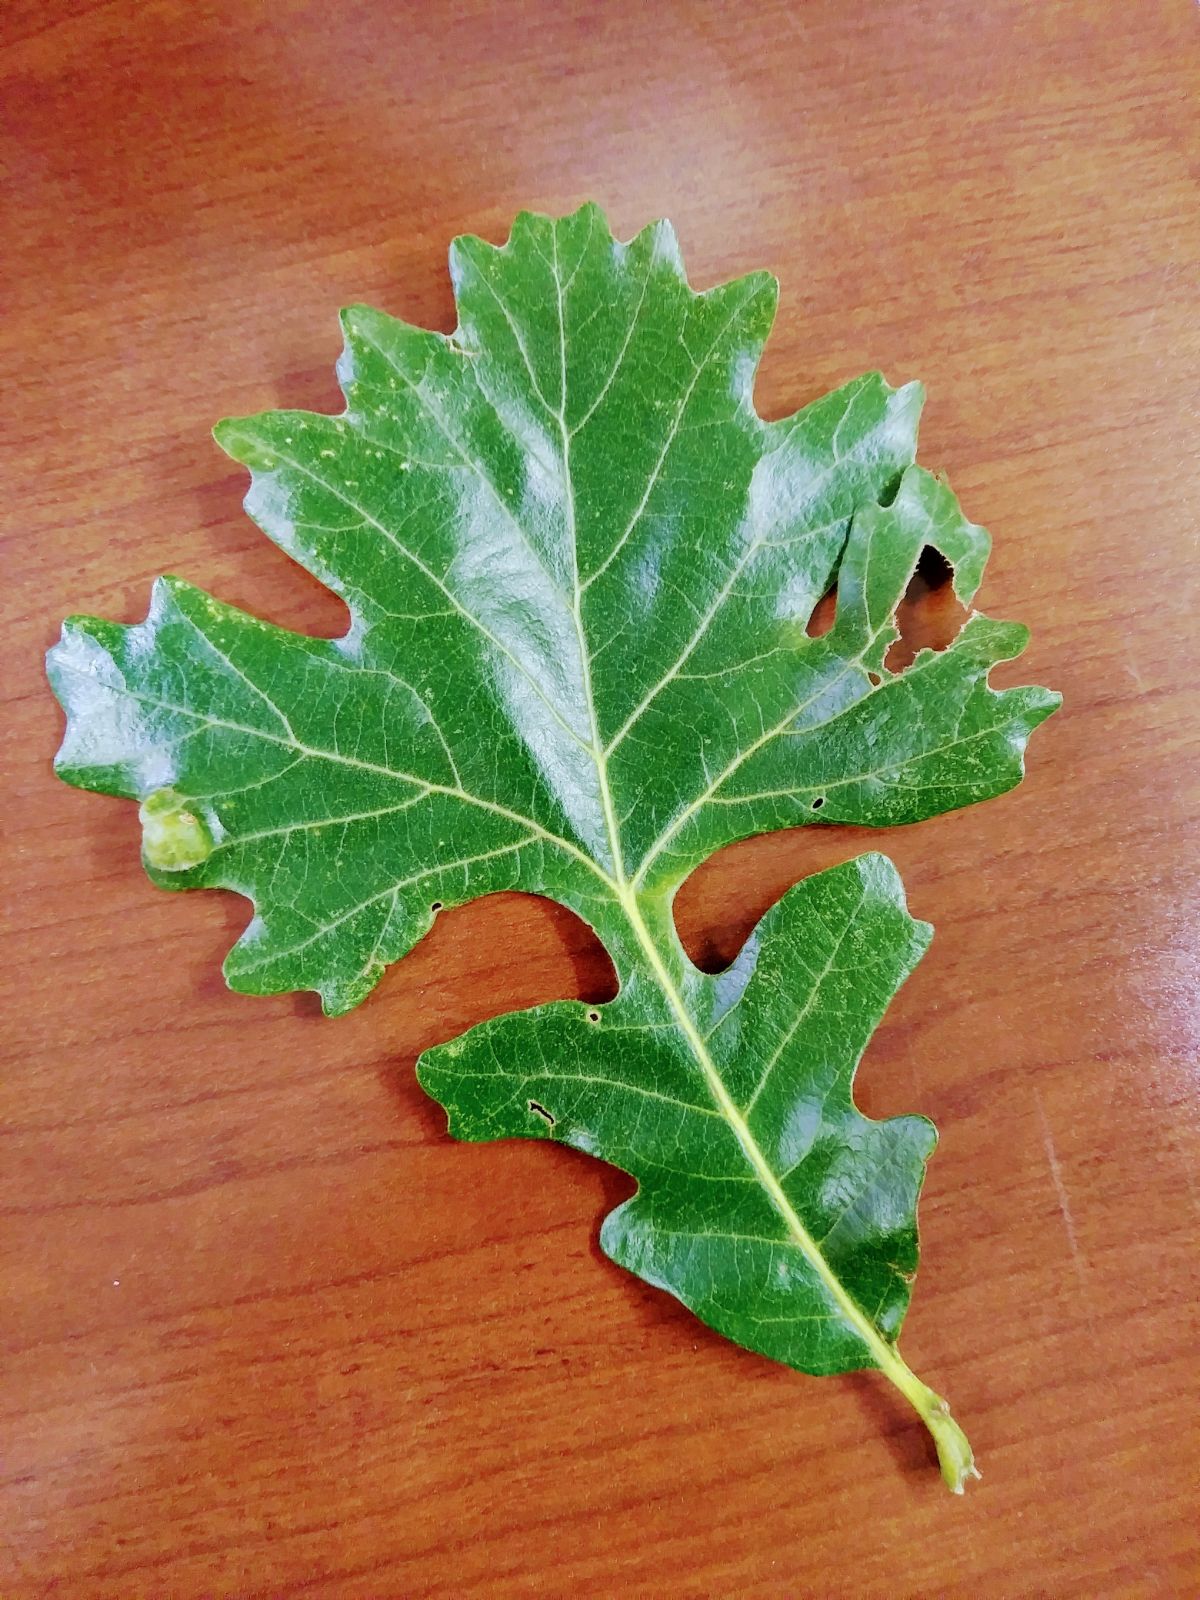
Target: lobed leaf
{"type": "Point", "coordinates": [580, 571]}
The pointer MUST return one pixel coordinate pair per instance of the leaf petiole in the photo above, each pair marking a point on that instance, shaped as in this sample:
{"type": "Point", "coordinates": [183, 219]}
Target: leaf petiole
{"type": "Point", "coordinates": [955, 1456]}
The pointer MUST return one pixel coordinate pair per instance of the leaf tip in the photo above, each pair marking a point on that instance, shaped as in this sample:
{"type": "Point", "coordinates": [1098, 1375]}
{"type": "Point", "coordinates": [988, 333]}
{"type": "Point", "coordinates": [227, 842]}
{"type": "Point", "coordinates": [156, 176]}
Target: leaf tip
{"type": "Point", "coordinates": [243, 442]}
{"type": "Point", "coordinates": [1043, 702]}
{"type": "Point", "coordinates": [880, 876]}
{"type": "Point", "coordinates": [359, 321]}
{"type": "Point", "coordinates": [905, 403]}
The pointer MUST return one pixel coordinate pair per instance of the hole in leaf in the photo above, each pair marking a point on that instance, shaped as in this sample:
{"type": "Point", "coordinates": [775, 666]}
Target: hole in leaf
{"type": "Point", "coordinates": [539, 1110]}
{"type": "Point", "coordinates": [435, 905]}
{"type": "Point", "coordinates": [818, 802]}
{"type": "Point", "coordinates": [593, 1016]}
{"type": "Point", "coordinates": [823, 614]}
{"type": "Point", "coordinates": [875, 678]}
{"type": "Point", "coordinates": [930, 615]}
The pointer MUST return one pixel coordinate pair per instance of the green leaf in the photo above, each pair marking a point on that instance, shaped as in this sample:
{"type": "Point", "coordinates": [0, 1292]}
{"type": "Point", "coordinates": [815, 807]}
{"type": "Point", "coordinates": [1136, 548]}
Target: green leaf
{"type": "Point", "coordinates": [580, 571]}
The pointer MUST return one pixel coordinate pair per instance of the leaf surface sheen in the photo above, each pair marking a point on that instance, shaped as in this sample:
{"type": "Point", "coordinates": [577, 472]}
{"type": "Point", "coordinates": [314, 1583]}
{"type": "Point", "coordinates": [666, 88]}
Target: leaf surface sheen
{"type": "Point", "coordinates": [580, 569]}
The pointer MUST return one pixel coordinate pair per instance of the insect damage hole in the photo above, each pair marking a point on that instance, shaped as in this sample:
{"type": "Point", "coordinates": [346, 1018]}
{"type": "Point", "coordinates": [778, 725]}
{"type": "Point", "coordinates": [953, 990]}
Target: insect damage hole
{"type": "Point", "coordinates": [929, 615]}
{"type": "Point", "coordinates": [539, 1110]}
{"type": "Point", "coordinates": [435, 905]}
{"type": "Point", "coordinates": [817, 803]}
{"type": "Point", "coordinates": [823, 615]}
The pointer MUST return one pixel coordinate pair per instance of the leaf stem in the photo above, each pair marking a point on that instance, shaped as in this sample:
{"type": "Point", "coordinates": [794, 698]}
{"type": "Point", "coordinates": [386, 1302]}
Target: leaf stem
{"type": "Point", "coordinates": [955, 1456]}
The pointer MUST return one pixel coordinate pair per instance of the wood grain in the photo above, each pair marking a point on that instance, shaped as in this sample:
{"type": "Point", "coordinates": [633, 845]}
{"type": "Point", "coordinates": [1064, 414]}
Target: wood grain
{"type": "Point", "coordinates": [265, 1329]}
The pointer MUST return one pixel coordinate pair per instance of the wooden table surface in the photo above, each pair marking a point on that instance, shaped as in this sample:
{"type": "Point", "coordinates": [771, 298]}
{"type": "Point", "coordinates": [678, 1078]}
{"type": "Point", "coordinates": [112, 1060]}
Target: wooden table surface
{"type": "Point", "coordinates": [267, 1330]}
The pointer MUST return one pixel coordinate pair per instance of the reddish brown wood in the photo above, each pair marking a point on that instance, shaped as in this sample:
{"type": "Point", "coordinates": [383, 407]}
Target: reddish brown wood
{"type": "Point", "coordinates": [265, 1329]}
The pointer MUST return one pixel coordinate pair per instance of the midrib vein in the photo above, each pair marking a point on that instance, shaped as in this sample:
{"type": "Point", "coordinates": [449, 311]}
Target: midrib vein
{"type": "Point", "coordinates": [883, 1354]}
